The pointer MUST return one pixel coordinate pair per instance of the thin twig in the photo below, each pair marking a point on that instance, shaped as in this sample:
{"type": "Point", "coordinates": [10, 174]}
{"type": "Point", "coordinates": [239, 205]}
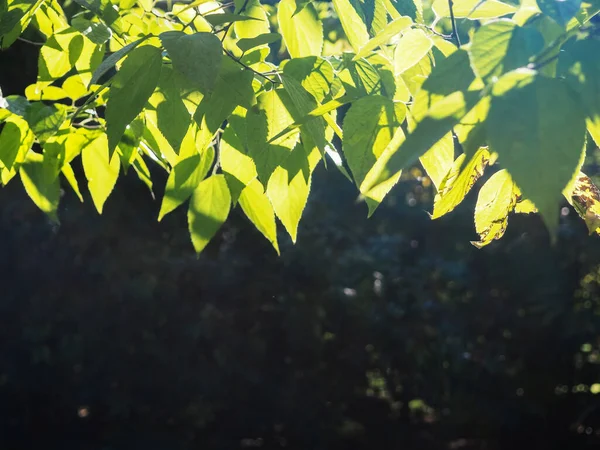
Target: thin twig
{"type": "Point", "coordinates": [453, 20]}
{"type": "Point", "coordinates": [30, 42]}
{"type": "Point", "coordinates": [245, 66]}
{"type": "Point", "coordinates": [539, 65]}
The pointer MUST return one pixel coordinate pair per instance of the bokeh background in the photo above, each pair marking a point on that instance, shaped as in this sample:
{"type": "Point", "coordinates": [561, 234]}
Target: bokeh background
{"type": "Point", "coordinates": [387, 333]}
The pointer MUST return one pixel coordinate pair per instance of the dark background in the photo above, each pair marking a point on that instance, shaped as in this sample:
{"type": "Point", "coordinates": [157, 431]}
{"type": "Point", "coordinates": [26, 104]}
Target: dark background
{"type": "Point", "coordinates": [387, 333]}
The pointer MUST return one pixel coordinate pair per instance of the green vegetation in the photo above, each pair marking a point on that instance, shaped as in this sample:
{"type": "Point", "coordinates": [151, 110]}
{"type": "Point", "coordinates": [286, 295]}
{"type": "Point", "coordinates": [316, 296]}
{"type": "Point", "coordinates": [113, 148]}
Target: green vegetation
{"type": "Point", "coordinates": [240, 102]}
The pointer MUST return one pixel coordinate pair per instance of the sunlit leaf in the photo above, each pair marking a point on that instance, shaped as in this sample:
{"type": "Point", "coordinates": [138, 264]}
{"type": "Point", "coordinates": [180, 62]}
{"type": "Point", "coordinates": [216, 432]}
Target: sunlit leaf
{"type": "Point", "coordinates": [101, 170]}
{"type": "Point", "coordinates": [208, 210]}
{"type": "Point", "coordinates": [302, 32]}
{"type": "Point", "coordinates": [258, 209]}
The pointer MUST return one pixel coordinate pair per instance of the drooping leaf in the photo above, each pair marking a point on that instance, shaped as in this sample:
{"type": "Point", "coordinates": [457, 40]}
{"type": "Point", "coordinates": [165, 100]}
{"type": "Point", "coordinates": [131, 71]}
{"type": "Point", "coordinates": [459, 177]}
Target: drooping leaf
{"type": "Point", "coordinates": [538, 130]}
{"type": "Point", "coordinates": [495, 201]}
{"type": "Point", "coordinates": [16, 139]}
{"type": "Point", "coordinates": [288, 189]}
{"type": "Point", "coordinates": [101, 170]}
{"type": "Point", "coordinates": [585, 198]}
{"type": "Point", "coordinates": [258, 209]}
{"type": "Point", "coordinates": [458, 182]}
{"type": "Point", "coordinates": [41, 183]}
{"type": "Point", "coordinates": [501, 46]}
{"type": "Point", "coordinates": [197, 57]}
{"type": "Point", "coordinates": [579, 63]}
{"type": "Point", "coordinates": [353, 26]}
{"type": "Point", "coordinates": [172, 117]}
{"type": "Point", "coordinates": [368, 127]}
{"type": "Point", "coordinates": [412, 47]}
{"type": "Point", "coordinates": [473, 9]}
{"type": "Point", "coordinates": [184, 178]}
{"type": "Point", "coordinates": [302, 32]}
{"type": "Point", "coordinates": [208, 210]}
{"type": "Point", "coordinates": [438, 160]}
{"type": "Point", "coordinates": [131, 88]}
{"type": "Point", "coordinates": [560, 10]}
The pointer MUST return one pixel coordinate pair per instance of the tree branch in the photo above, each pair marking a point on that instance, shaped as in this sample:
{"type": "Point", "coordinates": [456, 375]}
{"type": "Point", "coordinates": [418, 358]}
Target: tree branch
{"type": "Point", "coordinates": [453, 20]}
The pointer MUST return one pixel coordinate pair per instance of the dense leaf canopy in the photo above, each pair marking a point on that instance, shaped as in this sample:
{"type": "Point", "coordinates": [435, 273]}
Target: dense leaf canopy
{"type": "Point", "coordinates": [239, 102]}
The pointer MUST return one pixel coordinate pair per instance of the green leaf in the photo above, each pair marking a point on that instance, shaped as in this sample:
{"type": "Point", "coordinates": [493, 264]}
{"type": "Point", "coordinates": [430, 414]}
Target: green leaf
{"type": "Point", "coordinates": [198, 57]}
{"type": "Point", "coordinates": [538, 130]}
{"type": "Point", "coordinates": [45, 120]}
{"type": "Point", "coordinates": [302, 32]}
{"type": "Point", "coordinates": [316, 75]}
{"type": "Point", "coordinates": [560, 10]}
{"type": "Point", "coordinates": [495, 201]}
{"type": "Point", "coordinates": [438, 160]}
{"type": "Point", "coordinates": [304, 103]}
{"type": "Point", "coordinates": [410, 8]}
{"type": "Point", "coordinates": [353, 26]}
{"type": "Point", "coordinates": [15, 141]}
{"type": "Point", "coordinates": [220, 19]}
{"type": "Point", "coordinates": [41, 183]}
{"type": "Point", "coordinates": [473, 9]}
{"type": "Point", "coordinates": [457, 183]}
{"type": "Point", "coordinates": [288, 189]}
{"type": "Point", "coordinates": [412, 47]}
{"type": "Point", "coordinates": [258, 209]}
{"type": "Point", "coordinates": [501, 46]}
{"type": "Point", "coordinates": [172, 117]}
{"type": "Point", "coordinates": [368, 127]}
{"type": "Point", "coordinates": [252, 28]}
{"type": "Point", "coordinates": [184, 179]}
{"type": "Point", "coordinates": [383, 37]}
{"type": "Point", "coordinates": [113, 59]}
{"type": "Point", "coordinates": [579, 64]}
{"type": "Point", "coordinates": [101, 170]}
{"type": "Point", "coordinates": [246, 44]}
{"type": "Point", "coordinates": [69, 175]}
{"type": "Point", "coordinates": [208, 210]}
{"type": "Point", "coordinates": [263, 123]}
{"type": "Point", "coordinates": [131, 88]}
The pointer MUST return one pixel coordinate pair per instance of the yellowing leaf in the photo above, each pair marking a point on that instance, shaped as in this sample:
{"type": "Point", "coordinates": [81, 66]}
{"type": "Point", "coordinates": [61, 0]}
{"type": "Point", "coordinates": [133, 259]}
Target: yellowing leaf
{"type": "Point", "coordinates": [585, 198]}
{"type": "Point", "coordinates": [100, 170]}
{"type": "Point", "coordinates": [208, 210]}
{"type": "Point", "coordinates": [458, 183]}
{"type": "Point", "coordinates": [495, 201]}
{"type": "Point", "coordinates": [302, 32]}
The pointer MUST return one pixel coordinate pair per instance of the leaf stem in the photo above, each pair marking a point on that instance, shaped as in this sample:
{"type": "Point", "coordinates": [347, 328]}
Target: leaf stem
{"type": "Point", "coordinates": [453, 20]}
{"type": "Point", "coordinates": [245, 66]}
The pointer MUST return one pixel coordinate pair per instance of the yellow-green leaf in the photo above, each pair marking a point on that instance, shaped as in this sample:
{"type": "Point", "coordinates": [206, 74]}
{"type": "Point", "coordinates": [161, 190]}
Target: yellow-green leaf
{"type": "Point", "coordinates": [258, 209]}
{"type": "Point", "coordinates": [208, 210]}
{"type": "Point", "coordinates": [411, 48]}
{"type": "Point", "coordinates": [353, 26]}
{"type": "Point", "coordinates": [100, 169]}
{"type": "Point", "coordinates": [302, 32]}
